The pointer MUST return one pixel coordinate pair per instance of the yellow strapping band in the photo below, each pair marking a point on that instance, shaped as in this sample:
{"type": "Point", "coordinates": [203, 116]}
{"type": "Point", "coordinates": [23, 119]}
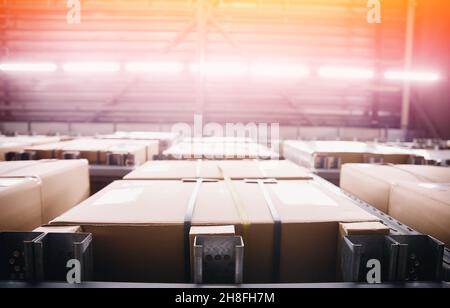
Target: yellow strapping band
{"type": "Point", "coordinates": [238, 203]}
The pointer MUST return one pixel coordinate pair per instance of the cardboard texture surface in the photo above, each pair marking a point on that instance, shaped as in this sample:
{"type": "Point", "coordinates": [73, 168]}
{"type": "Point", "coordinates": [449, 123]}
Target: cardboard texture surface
{"type": "Point", "coordinates": [424, 207]}
{"type": "Point", "coordinates": [20, 204]}
{"type": "Point", "coordinates": [62, 184]}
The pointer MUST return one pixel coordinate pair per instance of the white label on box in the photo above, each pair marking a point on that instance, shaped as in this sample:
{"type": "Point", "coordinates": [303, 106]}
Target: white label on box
{"type": "Point", "coordinates": [301, 194]}
{"type": "Point", "coordinates": [120, 196]}
{"type": "Point", "coordinates": [10, 182]}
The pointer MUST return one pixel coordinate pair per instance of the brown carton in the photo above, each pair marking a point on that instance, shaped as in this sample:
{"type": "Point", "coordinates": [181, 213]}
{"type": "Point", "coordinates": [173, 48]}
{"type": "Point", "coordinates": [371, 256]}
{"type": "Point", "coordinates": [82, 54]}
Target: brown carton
{"type": "Point", "coordinates": [6, 147]}
{"type": "Point", "coordinates": [387, 154]}
{"type": "Point", "coordinates": [219, 151]}
{"type": "Point", "coordinates": [138, 227]}
{"type": "Point", "coordinates": [46, 151]}
{"type": "Point", "coordinates": [424, 207]}
{"type": "Point", "coordinates": [211, 169]}
{"type": "Point", "coordinates": [152, 148]}
{"type": "Point", "coordinates": [20, 143]}
{"type": "Point", "coordinates": [20, 204]}
{"type": "Point", "coordinates": [96, 150]}
{"type": "Point", "coordinates": [163, 139]}
{"type": "Point", "coordinates": [63, 184]}
{"type": "Point", "coordinates": [30, 140]}
{"type": "Point", "coordinates": [372, 183]}
{"type": "Point", "coordinates": [305, 153]}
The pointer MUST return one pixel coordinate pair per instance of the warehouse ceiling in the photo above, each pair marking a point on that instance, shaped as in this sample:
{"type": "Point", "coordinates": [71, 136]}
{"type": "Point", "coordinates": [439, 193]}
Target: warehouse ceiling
{"type": "Point", "coordinates": [225, 34]}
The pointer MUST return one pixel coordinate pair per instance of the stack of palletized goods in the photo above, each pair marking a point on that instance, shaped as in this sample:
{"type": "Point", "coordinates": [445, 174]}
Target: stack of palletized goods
{"type": "Point", "coordinates": [214, 148]}
{"type": "Point", "coordinates": [327, 157]}
{"type": "Point", "coordinates": [333, 154]}
{"type": "Point", "coordinates": [12, 148]}
{"type": "Point", "coordinates": [418, 196]}
{"type": "Point", "coordinates": [432, 157]}
{"type": "Point", "coordinates": [324, 154]}
{"type": "Point", "coordinates": [34, 192]}
{"type": "Point", "coordinates": [99, 152]}
{"type": "Point", "coordinates": [143, 225]}
{"type": "Point", "coordinates": [164, 139]}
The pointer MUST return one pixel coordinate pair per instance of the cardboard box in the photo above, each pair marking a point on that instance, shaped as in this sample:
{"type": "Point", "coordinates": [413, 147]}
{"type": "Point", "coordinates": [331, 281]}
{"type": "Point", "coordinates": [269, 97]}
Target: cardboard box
{"type": "Point", "coordinates": [20, 204]}
{"type": "Point", "coordinates": [306, 153]}
{"type": "Point", "coordinates": [378, 153]}
{"type": "Point", "coordinates": [219, 151]}
{"type": "Point", "coordinates": [63, 184]}
{"type": "Point", "coordinates": [30, 140]}
{"type": "Point", "coordinates": [424, 207]}
{"type": "Point", "coordinates": [434, 157]}
{"type": "Point", "coordinates": [140, 150]}
{"type": "Point", "coordinates": [6, 147]}
{"type": "Point", "coordinates": [96, 150]}
{"type": "Point", "coordinates": [212, 169]}
{"type": "Point", "coordinates": [164, 139]}
{"type": "Point", "coordinates": [372, 183]}
{"type": "Point", "coordinates": [152, 147]}
{"type": "Point", "coordinates": [19, 143]}
{"type": "Point", "coordinates": [138, 227]}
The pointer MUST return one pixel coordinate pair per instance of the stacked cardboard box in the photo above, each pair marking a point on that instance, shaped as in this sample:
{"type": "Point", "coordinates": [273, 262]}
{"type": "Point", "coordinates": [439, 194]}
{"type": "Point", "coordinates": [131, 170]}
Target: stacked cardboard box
{"type": "Point", "coordinates": [31, 140]}
{"type": "Point", "coordinates": [211, 169]}
{"type": "Point", "coordinates": [378, 153]}
{"type": "Point", "coordinates": [333, 154]}
{"type": "Point", "coordinates": [311, 153]}
{"type": "Point", "coordinates": [96, 151]}
{"type": "Point", "coordinates": [433, 157]}
{"type": "Point", "coordinates": [139, 227]}
{"type": "Point", "coordinates": [19, 143]}
{"type": "Point", "coordinates": [8, 147]}
{"type": "Point", "coordinates": [326, 158]}
{"type": "Point", "coordinates": [415, 195]}
{"type": "Point", "coordinates": [219, 150]}
{"type": "Point", "coordinates": [34, 192]}
{"type": "Point", "coordinates": [164, 139]}
{"type": "Point", "coordinates": [20, 204]}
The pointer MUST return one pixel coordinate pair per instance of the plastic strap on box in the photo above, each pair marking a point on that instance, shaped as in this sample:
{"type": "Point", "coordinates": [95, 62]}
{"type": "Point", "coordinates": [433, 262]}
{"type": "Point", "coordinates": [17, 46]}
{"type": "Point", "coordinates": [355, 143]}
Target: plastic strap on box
{"type": "Point", "coordinates": [237, 202]}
